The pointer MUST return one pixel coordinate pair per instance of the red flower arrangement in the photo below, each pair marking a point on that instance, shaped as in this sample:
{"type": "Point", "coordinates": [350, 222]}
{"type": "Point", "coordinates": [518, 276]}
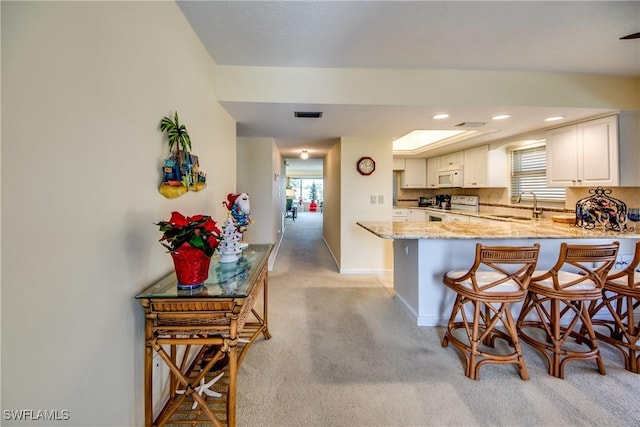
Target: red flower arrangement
{"type": "Point", "coordinates": [199, 232]}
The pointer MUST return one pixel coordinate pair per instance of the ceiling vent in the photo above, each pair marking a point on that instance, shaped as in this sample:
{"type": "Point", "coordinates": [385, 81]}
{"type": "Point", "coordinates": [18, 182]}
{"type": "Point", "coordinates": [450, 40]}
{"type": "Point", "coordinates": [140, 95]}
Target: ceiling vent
{"type": "Point", "coordinates": [308, 114]}
{"type": "Point", "coordinates": [470, 124]}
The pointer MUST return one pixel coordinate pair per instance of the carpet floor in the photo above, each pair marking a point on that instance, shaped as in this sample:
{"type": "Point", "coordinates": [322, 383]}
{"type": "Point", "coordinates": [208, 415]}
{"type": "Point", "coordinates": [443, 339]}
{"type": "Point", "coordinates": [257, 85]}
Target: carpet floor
{"type": "Point", "coordinates": [344, 353]}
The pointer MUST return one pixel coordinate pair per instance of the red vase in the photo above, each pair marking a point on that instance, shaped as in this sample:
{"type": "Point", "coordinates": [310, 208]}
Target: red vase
{"type": "Point", "coordinates": [192, 266]}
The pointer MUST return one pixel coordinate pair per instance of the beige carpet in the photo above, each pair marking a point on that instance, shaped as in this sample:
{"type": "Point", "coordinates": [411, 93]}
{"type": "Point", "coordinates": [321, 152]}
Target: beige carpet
{"type": "Point", "coordinates": [344, 353]}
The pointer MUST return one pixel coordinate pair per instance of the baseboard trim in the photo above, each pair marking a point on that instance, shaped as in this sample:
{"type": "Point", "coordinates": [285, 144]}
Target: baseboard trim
{"type": "Point", "coordinates": [274, 254]}
{"type": "Point", "coordinates": [333, 257]}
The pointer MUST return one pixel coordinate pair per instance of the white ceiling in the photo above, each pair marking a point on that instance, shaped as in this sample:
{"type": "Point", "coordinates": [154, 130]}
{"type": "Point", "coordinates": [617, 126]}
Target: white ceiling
{"type": "Point", "coordinates": [545, 36]}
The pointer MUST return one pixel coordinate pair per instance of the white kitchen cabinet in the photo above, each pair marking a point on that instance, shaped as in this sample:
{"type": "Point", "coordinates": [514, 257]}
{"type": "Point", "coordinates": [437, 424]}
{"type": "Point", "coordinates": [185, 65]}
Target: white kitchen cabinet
{"type": "Point", "coordinates": [476, 162]}
{"type": "Point", "coordinates": [400, 215]}
{"type": "Point", "coordinates": [415, 174]}
{"type": "Point", "coordinates": [485, 168]}
{"type": "Point", "coordinates": [398, 164]}
{"type": "Point", "coordinates": [584, 155]}
{"type": "Point", "coordinates": [418, 215]}
{"type": "Point", "coordinates": [432, 171]}
{"type": "Point", "coordinates": [450, 159]}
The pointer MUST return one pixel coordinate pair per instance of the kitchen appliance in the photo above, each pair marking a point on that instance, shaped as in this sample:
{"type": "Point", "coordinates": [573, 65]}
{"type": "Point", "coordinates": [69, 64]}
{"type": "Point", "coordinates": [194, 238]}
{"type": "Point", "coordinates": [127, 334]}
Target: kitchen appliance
{"type": "Point", "coordinates": [426, 201]}
{"type": "Point", "coordinates": [443, 201]}
{"type": "Point", "coordinates": [465, 203]}
{"type": "Point", "coordinates": [449, 176]}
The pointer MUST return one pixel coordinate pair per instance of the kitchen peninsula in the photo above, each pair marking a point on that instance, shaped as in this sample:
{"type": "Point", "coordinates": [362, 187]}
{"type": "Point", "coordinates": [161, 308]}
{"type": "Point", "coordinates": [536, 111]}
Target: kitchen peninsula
{"type": "Point", "coordinates": [424, 251]}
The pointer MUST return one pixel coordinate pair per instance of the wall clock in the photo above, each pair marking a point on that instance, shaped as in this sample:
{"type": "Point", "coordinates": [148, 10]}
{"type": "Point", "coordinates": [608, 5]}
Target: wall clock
{"type": "Point", "coordinates": [366, 166]}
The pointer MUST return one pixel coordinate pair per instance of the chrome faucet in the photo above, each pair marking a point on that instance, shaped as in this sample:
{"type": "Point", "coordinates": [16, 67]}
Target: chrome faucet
{"type": "Point", "coordinates": [536, 210]}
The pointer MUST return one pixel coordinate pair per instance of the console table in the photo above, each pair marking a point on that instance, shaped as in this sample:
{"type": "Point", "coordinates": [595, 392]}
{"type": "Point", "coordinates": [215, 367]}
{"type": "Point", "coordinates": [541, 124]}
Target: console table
{"type": "Point", "coordinates": [202, 336]}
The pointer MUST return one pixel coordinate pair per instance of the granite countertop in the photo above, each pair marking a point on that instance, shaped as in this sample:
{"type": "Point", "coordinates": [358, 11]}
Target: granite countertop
{"type": "Point", "coordinates": [497, 229]}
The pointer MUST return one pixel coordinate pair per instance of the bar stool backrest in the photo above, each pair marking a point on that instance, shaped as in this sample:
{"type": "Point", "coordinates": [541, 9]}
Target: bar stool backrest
{"type": "Point", "coordinates": [500, 265]}
{"type": "Point", "coordinates": [586, 264]}
{"type": "Point", "coordinates": [629, 276]}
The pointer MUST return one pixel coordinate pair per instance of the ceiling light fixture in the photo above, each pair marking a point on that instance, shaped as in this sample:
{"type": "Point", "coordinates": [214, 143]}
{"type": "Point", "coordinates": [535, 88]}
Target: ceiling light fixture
{"type": "Point", "coordinates": [553, 119]}
{"type": "Point", "coordinates": [501, 117]}
{"type": "Point", "coordinates": [440, 116]}
{"type": "Point", "coordinates": [304, 155]}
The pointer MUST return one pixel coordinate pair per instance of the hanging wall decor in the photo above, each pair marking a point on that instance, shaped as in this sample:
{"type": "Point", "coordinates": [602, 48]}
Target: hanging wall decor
{"type": "Point", "coordinates": [181, 170]}
{"type": "Point", "coordinates": [600, 209]}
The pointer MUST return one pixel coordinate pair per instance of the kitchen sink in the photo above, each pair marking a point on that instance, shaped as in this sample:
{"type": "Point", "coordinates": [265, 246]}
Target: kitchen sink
{"type": "Point", "coordinates": [516, 217]}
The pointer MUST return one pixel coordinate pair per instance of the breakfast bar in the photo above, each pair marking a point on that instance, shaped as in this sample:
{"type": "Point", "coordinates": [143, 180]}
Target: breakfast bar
{"type": "Point", "coordinates": [424, 251]}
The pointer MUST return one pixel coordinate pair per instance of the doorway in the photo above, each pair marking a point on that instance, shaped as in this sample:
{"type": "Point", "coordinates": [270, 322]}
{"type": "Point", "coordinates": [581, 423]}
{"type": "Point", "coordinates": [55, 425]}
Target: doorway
{"type": "Point", "coordinates": [308, 193]}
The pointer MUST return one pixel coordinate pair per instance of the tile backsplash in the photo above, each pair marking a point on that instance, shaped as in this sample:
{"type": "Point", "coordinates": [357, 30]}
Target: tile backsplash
{"type": "Point", "coordinates": [499, 197]}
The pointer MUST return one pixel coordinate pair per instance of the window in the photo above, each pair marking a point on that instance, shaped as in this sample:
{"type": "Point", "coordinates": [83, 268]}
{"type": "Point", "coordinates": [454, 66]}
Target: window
{"type": "Point", "coordinates": [307, 188]}
{"type": "Point", "coordinates": [529, 173]}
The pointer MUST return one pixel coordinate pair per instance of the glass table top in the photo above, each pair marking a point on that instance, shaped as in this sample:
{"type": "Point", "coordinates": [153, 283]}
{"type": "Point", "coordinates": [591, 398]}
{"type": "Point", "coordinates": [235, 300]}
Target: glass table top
{"type": "Point", "coordinates": [226, 280]}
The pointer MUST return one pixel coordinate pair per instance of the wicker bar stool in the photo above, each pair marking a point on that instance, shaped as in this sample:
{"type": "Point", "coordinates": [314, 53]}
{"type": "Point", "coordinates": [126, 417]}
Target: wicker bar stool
{"type": "Point", "coordinates": [498, 277]}
{"type": "Point", "coordinates": [559, 298]}
{"type": "Point", "coordinates": [620, 297]}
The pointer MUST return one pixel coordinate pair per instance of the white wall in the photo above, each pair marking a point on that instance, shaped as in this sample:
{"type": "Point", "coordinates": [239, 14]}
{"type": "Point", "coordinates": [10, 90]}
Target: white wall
{"type": "Point", "coordinates": [361, 251]}
{"type": "Point", "coordinates": [426, 87]}
{"type": "Point", "coordinates": [85, 85]}
{"type": "Point", "coordinates": [260, 175]}
{"type": "Point", "coordinates": [331, 207]}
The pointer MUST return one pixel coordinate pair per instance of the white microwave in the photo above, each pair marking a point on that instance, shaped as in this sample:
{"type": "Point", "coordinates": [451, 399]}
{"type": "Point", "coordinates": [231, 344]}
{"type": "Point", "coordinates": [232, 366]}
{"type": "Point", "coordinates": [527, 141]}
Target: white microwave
{"type": "Point", "coordinates": [449, 176]}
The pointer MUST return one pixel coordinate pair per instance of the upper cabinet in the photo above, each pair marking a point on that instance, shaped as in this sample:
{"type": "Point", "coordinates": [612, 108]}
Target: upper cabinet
{"type": "Point", "coordinates": [484, 167]}
{"type": "Point", "coordinates": [584, 155]}
{"type": "Point", "coordinates": [398, 164]}
{"type": "Point", "coordinates": [415, 174]}
{"type": "Point", "coordinates": [476, 166]}
{"type": "Point", "coordinates": [433, 164]}
{"type": "Point", "coordinates": [451, 159]}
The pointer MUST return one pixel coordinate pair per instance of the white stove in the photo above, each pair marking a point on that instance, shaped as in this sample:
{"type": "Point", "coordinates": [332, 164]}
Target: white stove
{"type": "Point", "coordinates": [465, 203]}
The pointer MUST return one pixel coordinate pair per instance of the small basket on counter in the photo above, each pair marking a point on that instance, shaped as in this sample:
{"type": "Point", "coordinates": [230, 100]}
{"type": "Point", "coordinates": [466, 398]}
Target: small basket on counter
{"type": "Point", "coordinates": [600, 209]}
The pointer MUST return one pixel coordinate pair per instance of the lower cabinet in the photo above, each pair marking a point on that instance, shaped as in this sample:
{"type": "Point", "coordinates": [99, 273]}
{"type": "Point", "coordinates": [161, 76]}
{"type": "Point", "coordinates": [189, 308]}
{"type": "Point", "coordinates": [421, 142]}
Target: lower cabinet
{"type": "Point", "coordinates": [400, 215]}
{"type": "Point", "coordinates": [418, 215]}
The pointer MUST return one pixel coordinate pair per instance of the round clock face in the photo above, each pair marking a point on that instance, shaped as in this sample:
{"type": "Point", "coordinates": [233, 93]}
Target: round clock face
{"type": "Point", "coordinates": [366, 165]}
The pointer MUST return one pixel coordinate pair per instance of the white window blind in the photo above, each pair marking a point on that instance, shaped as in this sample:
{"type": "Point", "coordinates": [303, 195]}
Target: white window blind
{"type": "Point", "coordinates": [529, 173]}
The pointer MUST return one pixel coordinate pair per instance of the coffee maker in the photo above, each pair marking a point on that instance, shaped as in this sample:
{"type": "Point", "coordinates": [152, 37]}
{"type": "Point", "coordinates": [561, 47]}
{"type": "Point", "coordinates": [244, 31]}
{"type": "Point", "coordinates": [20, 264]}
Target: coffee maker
{"type": "Point", "coordinates": [443, 201]}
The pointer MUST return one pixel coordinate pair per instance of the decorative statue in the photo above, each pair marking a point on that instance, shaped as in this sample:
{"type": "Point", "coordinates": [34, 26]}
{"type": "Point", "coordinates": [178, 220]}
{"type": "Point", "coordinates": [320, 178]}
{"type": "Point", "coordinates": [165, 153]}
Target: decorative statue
{"type": "Point", "coordinates": [230, 247]}
{"type": "Point", "coordinates": [238, 205]}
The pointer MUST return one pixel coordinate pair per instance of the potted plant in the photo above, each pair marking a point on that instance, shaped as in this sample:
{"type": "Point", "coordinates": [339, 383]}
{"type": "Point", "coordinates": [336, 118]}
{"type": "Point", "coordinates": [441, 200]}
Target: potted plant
{"type": "Point", "coordinates": [313, 194]}
{"type": "Point", "coordinates": [191, 241]}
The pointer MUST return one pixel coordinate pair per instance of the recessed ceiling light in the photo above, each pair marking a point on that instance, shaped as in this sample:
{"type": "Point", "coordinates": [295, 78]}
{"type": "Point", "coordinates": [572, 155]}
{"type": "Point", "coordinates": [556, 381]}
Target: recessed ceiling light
{"type": "Point", "coordinates": [421, 138]}
{"type": "Point", "coordinates": [553, 119]}
{"type": "Point", "coordinates": [440, 116]}
{"type": "Point", "coordinates": [501, 117]}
